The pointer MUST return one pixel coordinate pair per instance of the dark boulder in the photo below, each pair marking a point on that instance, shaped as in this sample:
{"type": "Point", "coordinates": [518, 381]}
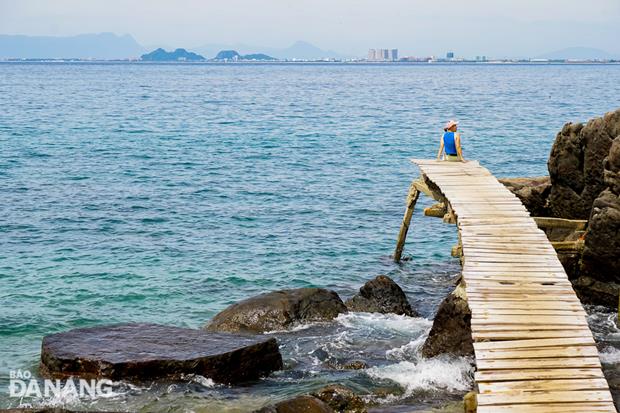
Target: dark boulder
{"type": "Point", "coordinates": [451, 331]}
{"type": "Point", "coordinates": [341, 399]}
{"type": "Point", "coordinates": [140, 352]}
{"type": "Point", "coordinates": [299, 404]}
{"type": "Point", "coordinates": [47, 410]}
{"type": "Point", "coordinates": [601, 255]}
{"type": "Point", "coordinates": [592, 291]}
{"type": "Point", "coordinates": [576, 165]}
{"type": "Point", "coordinates": [381, 295]}
{"type": "Point", "coordinates": [278, 310]}
{"type": "Point", "coordinates": [533, 193]}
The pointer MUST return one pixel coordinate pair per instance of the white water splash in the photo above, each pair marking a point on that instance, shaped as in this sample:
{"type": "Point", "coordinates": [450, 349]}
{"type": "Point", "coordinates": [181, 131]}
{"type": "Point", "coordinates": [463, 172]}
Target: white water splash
{"type": "Point", "coordinates": [439, 373]}
{"type": "Point", "coordinates": [392, 322]}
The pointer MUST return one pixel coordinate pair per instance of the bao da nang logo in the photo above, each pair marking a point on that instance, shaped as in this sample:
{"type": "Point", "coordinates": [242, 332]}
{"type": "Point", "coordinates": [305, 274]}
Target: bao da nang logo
{"type": "Point", "coordinates": [22, 384]}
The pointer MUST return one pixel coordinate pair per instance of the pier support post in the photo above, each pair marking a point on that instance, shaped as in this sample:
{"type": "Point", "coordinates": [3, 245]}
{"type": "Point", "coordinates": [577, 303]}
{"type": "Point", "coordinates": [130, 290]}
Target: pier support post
{"type": "Point", "coordinates": [412, 198]}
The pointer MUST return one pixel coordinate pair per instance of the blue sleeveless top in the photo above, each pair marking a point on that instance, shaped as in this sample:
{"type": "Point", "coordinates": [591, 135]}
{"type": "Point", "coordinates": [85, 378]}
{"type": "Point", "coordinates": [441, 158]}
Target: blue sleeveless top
{"type": "Point", "coordinates": [448, 143]}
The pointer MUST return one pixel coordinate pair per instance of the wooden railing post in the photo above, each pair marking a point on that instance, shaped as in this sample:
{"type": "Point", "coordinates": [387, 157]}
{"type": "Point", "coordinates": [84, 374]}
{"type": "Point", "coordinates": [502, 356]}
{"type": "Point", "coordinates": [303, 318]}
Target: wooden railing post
{"type": "Point", "coordinates": [412, 198]}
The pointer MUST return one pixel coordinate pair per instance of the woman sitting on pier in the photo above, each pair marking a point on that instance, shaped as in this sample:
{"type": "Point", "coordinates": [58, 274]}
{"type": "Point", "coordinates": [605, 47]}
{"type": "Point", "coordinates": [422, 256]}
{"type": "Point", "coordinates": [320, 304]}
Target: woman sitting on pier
{"type": "Point", "coordinates": [451, 142]}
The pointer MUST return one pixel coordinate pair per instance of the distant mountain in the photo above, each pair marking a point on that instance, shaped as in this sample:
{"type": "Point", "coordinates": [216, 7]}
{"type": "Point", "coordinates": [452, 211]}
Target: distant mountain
{"type": "Point", "coordinates": [83, 46]}
{"type": "Point", "coordinates": [582, 53]}
{"type": "Point", "coordinates": [305, 50]}
{"type": "Point", "coordinates": [298, 50]}
{"type": "Point", "coordinates": [258, 56]}
{"type": "Point", "coordinates": [225, 55]}
{"type": "Point", "coordinates": [160, 55]}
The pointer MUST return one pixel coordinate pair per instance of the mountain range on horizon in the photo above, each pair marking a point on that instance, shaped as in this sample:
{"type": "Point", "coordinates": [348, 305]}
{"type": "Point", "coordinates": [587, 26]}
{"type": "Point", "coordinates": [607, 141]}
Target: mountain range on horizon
{"type": "Point", "coordinates": [108, 46]}
{"type": "Point", "coordinates": [112, 46]}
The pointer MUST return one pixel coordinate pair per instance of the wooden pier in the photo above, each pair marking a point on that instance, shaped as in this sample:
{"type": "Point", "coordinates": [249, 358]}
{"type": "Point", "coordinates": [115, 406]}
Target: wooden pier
{"type": "Point", "coordinates": [534, 349]}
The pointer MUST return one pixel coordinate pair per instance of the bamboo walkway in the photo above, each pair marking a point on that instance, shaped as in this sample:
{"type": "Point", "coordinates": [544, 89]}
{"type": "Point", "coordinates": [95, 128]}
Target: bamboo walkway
{"type": "Point", "coordinates": [534, 349]}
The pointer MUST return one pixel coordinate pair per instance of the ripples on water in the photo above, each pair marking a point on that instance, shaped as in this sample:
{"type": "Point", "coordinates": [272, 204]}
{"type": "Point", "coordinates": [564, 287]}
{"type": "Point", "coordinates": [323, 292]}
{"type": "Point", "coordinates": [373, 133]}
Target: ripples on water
{"type": "Point", "coordinates": [163, 193]}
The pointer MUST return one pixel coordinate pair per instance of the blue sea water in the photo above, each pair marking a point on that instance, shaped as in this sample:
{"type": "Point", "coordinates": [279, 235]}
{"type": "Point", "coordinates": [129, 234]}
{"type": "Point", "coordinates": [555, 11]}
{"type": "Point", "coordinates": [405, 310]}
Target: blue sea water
{"type": "Point", "coordinates": [164, 193]}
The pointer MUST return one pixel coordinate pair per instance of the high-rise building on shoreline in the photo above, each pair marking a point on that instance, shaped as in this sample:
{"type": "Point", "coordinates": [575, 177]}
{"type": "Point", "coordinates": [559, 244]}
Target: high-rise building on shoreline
{"type": "Point", "coordinates": [382, 55]}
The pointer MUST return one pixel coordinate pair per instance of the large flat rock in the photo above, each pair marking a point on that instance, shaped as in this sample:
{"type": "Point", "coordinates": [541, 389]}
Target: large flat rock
{"type": "Point", "coordinates": [140, 352]}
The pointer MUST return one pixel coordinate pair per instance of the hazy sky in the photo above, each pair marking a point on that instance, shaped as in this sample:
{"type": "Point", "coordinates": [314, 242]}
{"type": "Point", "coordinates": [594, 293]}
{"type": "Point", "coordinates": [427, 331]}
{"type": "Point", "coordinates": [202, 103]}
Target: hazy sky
{"type": "Point", "coordinates": [417, 27]}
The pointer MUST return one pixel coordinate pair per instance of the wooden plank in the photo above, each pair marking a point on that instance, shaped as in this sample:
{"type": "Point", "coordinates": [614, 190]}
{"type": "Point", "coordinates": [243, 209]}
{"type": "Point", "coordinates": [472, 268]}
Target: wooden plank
{"type": "Point", "coordinates": [546, 384]}
{"type": "Point", "coordinates": [501, 319]}
{"type": "Point", "coordinates": [484, 336]}
{"type": "Point", "coordinates": [525, 282]}
{"type": "Point", "coordinates": [522, 297]}
{"type": "Point", "coordinates": [514, 344]}
{"type": "Point", "coordinates": [521, 305]}
{"type": "Point", "coordinates": [484, 288]}
{"type": "Point", "coordinates": [555, 396]}
{"type": "Point", "coordinates": [537, 374]}
{"type": "Point", "coordinates": [530, 312]}
{"type": "Point", "coordinates": [549, 352]}
{"type": "Point", "coordinates": [538, 363]}
{"type": "Point", "coordinates": [525, 327]}
{"type": "Point", "coordinates": [577, 407]}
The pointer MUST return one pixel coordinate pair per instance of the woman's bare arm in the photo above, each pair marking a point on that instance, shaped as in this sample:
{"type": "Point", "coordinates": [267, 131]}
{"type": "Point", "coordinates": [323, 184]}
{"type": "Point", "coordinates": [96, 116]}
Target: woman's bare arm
{"type": "Point", "coordinates": [440, 149]}
{"type": "Point", "coordinates": [457, 142]}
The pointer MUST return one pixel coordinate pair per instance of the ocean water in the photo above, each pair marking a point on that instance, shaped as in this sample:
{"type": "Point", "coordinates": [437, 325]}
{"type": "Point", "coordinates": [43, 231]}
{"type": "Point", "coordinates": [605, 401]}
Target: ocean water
{"type": "Point", "coordinates": [164, 193]}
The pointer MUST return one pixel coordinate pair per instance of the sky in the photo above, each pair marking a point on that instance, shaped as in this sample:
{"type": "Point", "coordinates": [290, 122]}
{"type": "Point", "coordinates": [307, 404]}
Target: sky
{"type": "Point", "coordinates": [499, 28]}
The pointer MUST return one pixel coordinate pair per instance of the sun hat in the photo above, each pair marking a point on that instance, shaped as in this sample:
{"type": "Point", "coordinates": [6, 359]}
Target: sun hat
{"type": "Point", "coordinates": [450, 124]}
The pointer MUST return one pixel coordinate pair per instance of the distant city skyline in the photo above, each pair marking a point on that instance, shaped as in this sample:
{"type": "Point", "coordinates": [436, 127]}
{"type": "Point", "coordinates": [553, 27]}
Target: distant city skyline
{"type": "Point", "coordinates": [525, 28]}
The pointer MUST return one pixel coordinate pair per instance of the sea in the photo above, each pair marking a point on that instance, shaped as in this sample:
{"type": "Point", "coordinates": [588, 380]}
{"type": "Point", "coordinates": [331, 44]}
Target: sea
{"type": "Point", "coordinates": [165, 192]}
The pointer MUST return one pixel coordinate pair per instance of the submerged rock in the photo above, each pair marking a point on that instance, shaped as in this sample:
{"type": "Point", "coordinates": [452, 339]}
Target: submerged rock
{"type": "Point", "coordinates": [533, 193]}
{"type": "Point", "coordinates": [381, 295]}
{"type": "Point", "coordinates": [341, 399]}
{"type": "Point", "coordinates": [451, 331]}
{"type": "Point", "coordinates": [278, 310]}
{"type": "Point", "coordinates": [299, 404]}
{"type": "Point", "coordinates": [150, 351]}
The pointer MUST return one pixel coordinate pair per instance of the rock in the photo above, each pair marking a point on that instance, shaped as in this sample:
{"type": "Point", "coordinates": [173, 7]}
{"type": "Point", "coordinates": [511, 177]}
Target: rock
{"type": "Point", "coordinates": [381, 295]}
{"type": "Point", "coordinates": [591, 291]}
{"type": "Point", "coordinates": [571, 263]}
{"type": "Point", "coordinates": [533, 193]}
{"type": "Point", "coordinates": [278, 310]}
{"type": "Point", "coordinates": [336, 364]}
{"type": "Point", "coordinates": [299, 404]}
{"type": "Point", "coordinates": [437, 210]}
{"type": "Point", "coordinates": [576, 165]}
{"type": "Point", "coordinates": [47, 410]}
{"type": "Point", "coordinates": [601, 254]}
{"type": "Point", "coordinates": [341, 399]}
{"type": "Point", "coordinates": [141, 352]}
{"type": "Point", "coordinates": [355, 365]}
{"type": "Point", "coordinates": [451, 331]}
{"type": "Point", "coordinates": [470, 402]}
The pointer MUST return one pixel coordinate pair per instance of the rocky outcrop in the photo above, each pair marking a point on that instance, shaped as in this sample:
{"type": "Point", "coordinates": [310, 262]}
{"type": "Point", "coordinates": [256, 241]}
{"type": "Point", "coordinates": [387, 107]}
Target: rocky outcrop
{"type": "Point", "coordinates": [576, 165]}
{"type": "Point", "coordinates": [451, 331]}
{"type": "Point", "coordinates": [601, 255]}
{"type": "Point", "coordinates": [140, 352]}
{"type": "Point", "coordinates": [278, 310]}
{"type": "Point", "coordinates": [584, 170]}
{"type": "Point", "coordinates": [299, 404]}
{"type": "Point", "coordinates": [341, 399]}
{"type": "Point", "coordinates": [381, 295]}
{"type": "Point", "coordinates": [533, 193]}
